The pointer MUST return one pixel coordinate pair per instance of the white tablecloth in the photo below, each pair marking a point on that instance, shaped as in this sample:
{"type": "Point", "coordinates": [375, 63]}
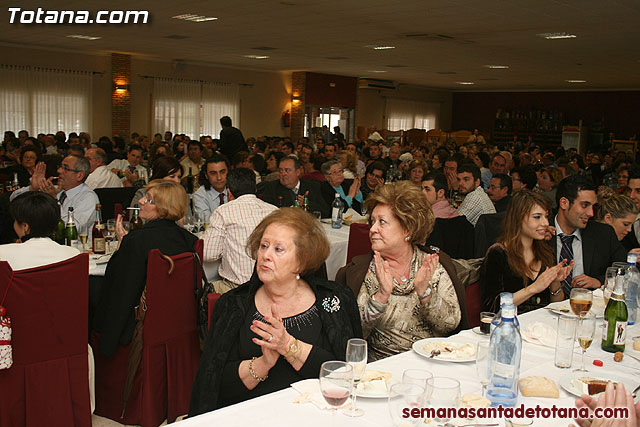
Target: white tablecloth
{"type": "Point", "coordinates": [278, 409]}
{"type": "Point", "coordinates": [338, 241]}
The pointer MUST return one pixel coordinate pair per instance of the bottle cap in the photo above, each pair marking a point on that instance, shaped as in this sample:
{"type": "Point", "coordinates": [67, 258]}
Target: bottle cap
{"type": "Point", "coordinates": [598, 363]}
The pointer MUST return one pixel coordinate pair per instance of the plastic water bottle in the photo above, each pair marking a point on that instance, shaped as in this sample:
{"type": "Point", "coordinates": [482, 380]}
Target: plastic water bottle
{"type": "Point", "coordinates": [505, 347]}
{"type": "Point", "coordinates": [505, 298]}
{"type": "Point", "coordinates": [632, 279]}
{"type": "Point", "coordinates": [337, 208]}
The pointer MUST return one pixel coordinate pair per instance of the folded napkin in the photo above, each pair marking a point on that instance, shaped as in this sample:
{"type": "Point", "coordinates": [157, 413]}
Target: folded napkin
{"type": "Point", "coordinates": [351, 216]}
{"type": "Point", "coordinates": [539, 333]}
{"type": "Point", "coordinates": [310, 392]}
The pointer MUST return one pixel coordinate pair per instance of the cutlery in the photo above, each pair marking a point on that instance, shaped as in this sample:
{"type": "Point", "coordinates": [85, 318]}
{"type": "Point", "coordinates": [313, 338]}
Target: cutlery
{"type": "Point", "coordinates": [561, 310]}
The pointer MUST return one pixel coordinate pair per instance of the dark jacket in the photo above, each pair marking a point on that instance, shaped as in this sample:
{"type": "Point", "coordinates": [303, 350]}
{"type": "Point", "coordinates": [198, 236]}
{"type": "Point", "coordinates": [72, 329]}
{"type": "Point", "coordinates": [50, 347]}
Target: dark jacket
{"type": "Point", "coordinates": [231, 142]}
{"type": "Point", "coordinates": [630, 241]}
{"type": "Point", "coordinates": [502, 204]}
{"type": "Point", "coordinates": [329, 194]}
{"type": "Point", "coordinates": [229, 315]}
{"type": "Point", "coordinates": [453, 236]}
{"type": "Point", "coordinates": [126, 275]}
{"type": "Point", "coordinates": [353, 274]}
{"type": "Point", "coordinates": [272, 190]}
{"type": "Point", "coordinates": [600, 249]}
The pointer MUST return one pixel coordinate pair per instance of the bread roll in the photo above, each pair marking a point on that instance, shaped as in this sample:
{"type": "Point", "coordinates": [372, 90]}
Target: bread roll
{"type": "Point", "coordinates": [538, 387]}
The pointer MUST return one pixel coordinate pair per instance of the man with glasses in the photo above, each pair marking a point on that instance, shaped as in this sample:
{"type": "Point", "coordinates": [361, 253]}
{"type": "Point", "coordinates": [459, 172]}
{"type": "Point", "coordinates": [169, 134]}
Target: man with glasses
{"type": "Point", "coordinates": [349, 189]}
{"type": "Point", "coordinates": [500, 191]}
{"type": "Point", "coordinates": [289, 187]}
{"type": "Point", "coordinates": [375, 175]}
{"type": "Point", "coordinates": [100, 176]}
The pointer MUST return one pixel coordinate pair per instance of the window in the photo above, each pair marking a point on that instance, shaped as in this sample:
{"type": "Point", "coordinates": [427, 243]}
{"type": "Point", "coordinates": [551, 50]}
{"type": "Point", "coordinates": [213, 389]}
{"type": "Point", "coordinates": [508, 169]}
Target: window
{"type": "Point", "coordinates": [405, 114]}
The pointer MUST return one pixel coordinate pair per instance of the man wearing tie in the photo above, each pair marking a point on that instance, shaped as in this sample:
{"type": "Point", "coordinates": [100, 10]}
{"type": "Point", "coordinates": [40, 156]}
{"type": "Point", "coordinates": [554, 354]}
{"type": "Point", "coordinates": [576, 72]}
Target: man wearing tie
{"type": "Point", "coordinates": [592, 245]}
{"type": "Point", "coordinates": [213, 181]}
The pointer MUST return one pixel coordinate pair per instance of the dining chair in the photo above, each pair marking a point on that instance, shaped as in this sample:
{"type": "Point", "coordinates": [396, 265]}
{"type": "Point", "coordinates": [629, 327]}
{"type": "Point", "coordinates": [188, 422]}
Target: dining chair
{"type": "Point", "coordinates": [359, 242]}
{"type": "Point", "coordinates": [48, 383]}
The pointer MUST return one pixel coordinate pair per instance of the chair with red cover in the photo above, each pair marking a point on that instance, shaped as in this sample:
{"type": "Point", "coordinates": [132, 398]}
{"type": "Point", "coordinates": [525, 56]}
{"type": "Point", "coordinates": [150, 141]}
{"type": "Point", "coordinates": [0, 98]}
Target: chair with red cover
{"type": "Point", "coordinates": [359, 242]}
{"type": "Point", "coordinates": [170, 354]}
{"type": "Point", "coordinates": [474, 303]}
{"type": "Point", "coordinates": [48, 383]}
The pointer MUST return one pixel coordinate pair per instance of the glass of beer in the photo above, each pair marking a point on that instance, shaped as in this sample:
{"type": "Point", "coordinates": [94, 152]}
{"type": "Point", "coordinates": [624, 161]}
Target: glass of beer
{"type": "Point", "coordinates": [485, 321]}
{"type": "Point", "coordinates": [581, 300]}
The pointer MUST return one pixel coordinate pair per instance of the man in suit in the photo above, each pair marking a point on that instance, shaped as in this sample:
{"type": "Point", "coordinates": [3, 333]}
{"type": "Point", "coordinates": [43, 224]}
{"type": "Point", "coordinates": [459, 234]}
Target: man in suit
{"type": "Point", "coordinates": [349, 189]}
{"type": "Point", "coordinates": [578, 238]}
{"type": "Point", "coordinates": [231, 139]}
{"type": "Point", "coordinates": [281, 193]}
{"type": "Point", "coordinates": [500, 191]}
{"type": "Point", "coordinates": [632, 239]}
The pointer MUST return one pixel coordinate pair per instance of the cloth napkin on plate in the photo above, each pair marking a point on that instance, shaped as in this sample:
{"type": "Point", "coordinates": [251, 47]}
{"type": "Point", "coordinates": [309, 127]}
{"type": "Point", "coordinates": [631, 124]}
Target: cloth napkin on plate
{"type": "Point", "coordinates": [539, 333]}
{"type": "Point", "coordinates": [310, 392]}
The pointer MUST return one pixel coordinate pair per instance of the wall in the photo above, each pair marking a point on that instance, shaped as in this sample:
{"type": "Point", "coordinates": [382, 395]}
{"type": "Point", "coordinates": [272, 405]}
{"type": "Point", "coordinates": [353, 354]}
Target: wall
{"type": "Point", "coordinates": [619, 110]}
{"type": "Point", "coordinates": [371, 104]}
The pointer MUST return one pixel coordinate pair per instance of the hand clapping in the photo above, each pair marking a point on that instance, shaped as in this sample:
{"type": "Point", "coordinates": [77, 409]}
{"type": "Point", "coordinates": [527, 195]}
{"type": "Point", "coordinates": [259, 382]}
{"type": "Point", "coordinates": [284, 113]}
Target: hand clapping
{"type": "Point", "coordinates": [274, 338]}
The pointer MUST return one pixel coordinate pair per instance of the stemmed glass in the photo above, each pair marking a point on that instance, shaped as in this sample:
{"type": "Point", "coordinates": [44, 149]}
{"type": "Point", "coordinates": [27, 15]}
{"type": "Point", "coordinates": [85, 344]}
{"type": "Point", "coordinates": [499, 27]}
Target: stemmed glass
{"type": "Point", "coordinates": [336, 382]}
{"type": "Point", "coordinates": [357, 358]}
{"type": "Point", "coordinates": [581, 300]}
{"type": "Point", "coordinates": [585, 332]}
{"type": "Point", "coordinates": [110, 233]}
{"type": "Point", "coordinates": [482, 365]}
{"type": "Point", "coordinates": [442, 392]}
{"type": "Point", "coordinates": [405, 396]}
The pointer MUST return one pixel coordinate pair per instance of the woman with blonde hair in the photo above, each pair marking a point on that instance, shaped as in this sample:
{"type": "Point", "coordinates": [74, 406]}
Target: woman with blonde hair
{"type": "Point", "coordinates": [416, 171]}
{"type": "Point", "coordinates": [406, 291]}
{"type": "Point", "coordinates": [349, 164]}
{"type": "Point", "coordinates": [620, 212]}
{"type": "Point", "coordinates": [522, 262]}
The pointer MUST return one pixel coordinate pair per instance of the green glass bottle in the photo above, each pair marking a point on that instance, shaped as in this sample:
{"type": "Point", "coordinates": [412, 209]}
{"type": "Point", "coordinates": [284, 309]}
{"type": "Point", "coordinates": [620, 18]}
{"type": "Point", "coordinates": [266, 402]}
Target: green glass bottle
{"type": "Point", "coordinates": [60, 231]}
{"type": "Point", "coordinates": [614, 333]}
{"type": "Point", "coordinates": [136, 221]}
{"type": "Point", "coordinates": [71, 231]}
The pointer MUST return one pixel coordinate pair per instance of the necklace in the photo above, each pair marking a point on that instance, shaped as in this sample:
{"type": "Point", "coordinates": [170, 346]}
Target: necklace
{"type": "Point", "coordinates": [404, 278]}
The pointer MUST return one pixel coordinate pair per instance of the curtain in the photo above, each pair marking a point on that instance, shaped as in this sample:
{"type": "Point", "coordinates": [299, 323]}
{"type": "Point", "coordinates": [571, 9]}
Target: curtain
{"type": "Point", "coordinates": [218, 100]}
{"type": "Point", "coordinates": [193, 107]}
{"type": "Point", "coordinates": [45, 101]}
{"type": "Point", "coordinates": [405, 114]}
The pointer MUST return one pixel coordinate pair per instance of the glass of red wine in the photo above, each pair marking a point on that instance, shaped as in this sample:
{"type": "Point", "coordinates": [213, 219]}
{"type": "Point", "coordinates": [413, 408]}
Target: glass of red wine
{"type": "Point", "coordinates": [336, 383]}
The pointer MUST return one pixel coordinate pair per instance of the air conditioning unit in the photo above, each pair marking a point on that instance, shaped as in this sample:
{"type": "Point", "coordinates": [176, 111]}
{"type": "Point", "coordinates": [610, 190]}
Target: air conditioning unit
{"type": "Point", "coordinates": [365, 83]}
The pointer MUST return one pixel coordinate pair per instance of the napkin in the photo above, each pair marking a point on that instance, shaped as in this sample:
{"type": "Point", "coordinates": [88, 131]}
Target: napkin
{"type": "Point", "coordinates": [539, 333]}
{"type": "Point", "coordinates": [310, 392]}
{"type": "Point", "coordinates": [351, 216]}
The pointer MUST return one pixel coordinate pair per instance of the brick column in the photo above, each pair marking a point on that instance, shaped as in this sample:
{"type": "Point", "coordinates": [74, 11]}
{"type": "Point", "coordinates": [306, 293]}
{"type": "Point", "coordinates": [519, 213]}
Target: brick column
{"type": "Point", "coordinates": [121, 98]}
{"type": "Point", "coordinates": [297, 108]}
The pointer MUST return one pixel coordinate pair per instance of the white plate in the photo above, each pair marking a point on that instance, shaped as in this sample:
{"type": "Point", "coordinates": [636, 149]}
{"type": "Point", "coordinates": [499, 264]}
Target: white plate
{"type": "Point", "coordinates": [565, 382]}
{"type": "Point", "coordinates": [418, 348]}
{"type": "Point", "coordinates": [100, 259]}
{"type": "Point", "coordinates": [373, 395]}
{"type": "Point", "coordinates": [597, 308]}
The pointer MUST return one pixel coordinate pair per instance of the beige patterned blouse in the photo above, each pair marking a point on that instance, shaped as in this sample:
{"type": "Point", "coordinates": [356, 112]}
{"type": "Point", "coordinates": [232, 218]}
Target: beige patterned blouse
{"type": "Point", "coordinates": [393, 327]}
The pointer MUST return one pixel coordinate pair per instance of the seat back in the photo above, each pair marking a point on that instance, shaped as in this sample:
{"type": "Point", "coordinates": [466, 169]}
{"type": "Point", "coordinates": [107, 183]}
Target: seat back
{"type": "Point", "coordinates": [110, 196]}
{"type": "Point", "coordinates": [474, 304]}
{"type": "Point", "coordinates": [49, 310]}
{"type": "Point", "coordinates": [359, 242]}
{"type": "Point", "coordinates": [487, 231]}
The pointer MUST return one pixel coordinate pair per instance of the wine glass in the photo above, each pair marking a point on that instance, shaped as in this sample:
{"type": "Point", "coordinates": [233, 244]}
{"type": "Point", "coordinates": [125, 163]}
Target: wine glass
{"type": "Point", "coordinates": [482, 365]}
{"type": "Point", "coordinates": [357, 358]}
{"type": "Point", "coordinates": [585, 332]}
{"type": "Point", "coordinates": [580, 300]}
{"type": "Point", "coordinates": [83, 240]}
{"type": "Point", "coordinates": [403, 396]}
{"type": "Point", "coordinates": [110, 233]}
{"type": "Point", "coordinates": [336, 382]}
{"type": "Point", "coordinates": [442, 392]}
{"type": "Point", "coordinates": [610, 283]}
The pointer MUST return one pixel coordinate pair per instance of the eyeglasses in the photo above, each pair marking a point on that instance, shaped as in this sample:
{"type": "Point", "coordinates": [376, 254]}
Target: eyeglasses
{"type": "Point", "coordinates": [68, 169]}
{"type": "Point", "coordinates": [146, 200]}
{"type": "Point", "coordinates": [336, 172]}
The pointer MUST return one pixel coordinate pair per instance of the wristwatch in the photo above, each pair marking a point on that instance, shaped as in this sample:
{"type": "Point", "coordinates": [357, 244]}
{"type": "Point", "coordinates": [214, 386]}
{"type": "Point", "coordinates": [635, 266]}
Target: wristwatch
{"type": "Point", "coordinates": [293, 349]}
{"type": "Point", "coordinates": [427, 292]}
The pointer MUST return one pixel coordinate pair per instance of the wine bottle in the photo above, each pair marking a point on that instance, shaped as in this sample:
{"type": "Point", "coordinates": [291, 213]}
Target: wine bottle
{"type": "Point", "coordinates": [615, 316]}
{"type": "Point", "coordinates": [190, 182]}
{"type": "Point", "coordinates": [60, 230]}
{"type": "Point", "coordinates": [136, 221]}
{"type": "Point", "coordinates": [71, 231]}
{"type": "Point", "coordinates": [97, 233]}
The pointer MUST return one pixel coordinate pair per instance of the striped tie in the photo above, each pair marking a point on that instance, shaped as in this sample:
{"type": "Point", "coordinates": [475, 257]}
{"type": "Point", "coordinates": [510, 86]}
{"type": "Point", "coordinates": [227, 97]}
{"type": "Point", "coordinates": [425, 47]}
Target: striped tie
{"type": "Point", "coordinates": [567, 253]}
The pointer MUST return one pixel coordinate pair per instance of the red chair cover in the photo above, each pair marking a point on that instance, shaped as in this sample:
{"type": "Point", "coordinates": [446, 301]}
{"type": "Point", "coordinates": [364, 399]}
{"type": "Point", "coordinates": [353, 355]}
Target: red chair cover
{"type": "Point", "coordinates": [359, 243]}
{"type": "Point", "coordinates": [171, 352]}
{"type": "Point", "coordinates": [474, 304]}
{"type": "Point", "coordinates": [48, 383]}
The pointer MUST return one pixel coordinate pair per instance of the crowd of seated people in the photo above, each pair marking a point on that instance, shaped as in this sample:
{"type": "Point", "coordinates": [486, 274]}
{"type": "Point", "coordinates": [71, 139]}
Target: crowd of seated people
{"type": "Point", "coordinates": [534, 215]}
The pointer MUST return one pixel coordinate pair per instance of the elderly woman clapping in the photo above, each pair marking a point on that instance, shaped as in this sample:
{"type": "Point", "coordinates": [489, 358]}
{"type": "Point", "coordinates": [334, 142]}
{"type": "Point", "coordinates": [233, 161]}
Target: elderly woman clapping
{"type": "Point", "coordinates": [406, 292]}
{"type": "Point", "coordinates": [280, 326]}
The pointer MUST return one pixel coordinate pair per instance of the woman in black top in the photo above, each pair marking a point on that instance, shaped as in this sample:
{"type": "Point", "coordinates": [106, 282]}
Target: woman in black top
{"type": "Point", "coordinates": [522, 262]}
{"type": "Point", "coordinates": [279, 327]}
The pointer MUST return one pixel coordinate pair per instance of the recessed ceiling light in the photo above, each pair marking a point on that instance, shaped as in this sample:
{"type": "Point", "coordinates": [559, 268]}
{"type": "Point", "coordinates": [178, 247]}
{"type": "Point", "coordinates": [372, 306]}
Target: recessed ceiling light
{"type": "Point", "coordinates": [256, 56]}
{"type": "Point", "coordinates": [81, 37]}
{"type": "Point", "coordinates": [575, 81]}
{"type": "Point", "coordinates": [465, 83]}
{"type": "Point", "coordinates": [379, 47]}
{"type": "Point", "coordinates": [554, 36]}
{"type": "Point", "coordinates": [497, 67]}
{"type": "Point", "coordinates": [194, 18]}
{"type": "Point", "coordinates": [376, 71]}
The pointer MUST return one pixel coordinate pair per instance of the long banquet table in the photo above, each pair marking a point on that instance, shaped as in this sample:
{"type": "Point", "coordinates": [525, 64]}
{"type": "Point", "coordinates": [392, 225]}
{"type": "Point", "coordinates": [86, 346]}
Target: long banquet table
{"type": "Point", "coordinates": [278, 409]}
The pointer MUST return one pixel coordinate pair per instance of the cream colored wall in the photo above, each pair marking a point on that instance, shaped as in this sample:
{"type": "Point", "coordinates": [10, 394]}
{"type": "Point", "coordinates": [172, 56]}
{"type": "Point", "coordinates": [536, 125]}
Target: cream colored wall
{"type": "Point", "coordinates": [371, 104]}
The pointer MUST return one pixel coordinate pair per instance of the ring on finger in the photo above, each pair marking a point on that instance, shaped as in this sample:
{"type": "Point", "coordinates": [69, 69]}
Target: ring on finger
{"type": "Point", "coordinates": [270, 338]}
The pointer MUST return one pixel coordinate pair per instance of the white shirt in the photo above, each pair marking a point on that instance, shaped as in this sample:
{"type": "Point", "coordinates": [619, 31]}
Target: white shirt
{"type": "Point", "coordinates": [123, 164]}
{"type": "Point", "coordinates": [226, 238]}
{"type": "Point", "coordinates": [84, 201]}
{"type": "Point", "coordinates": [35, 252]}
{"type": "Point", "coordinates": [576, 245]}
{"type": "Point", "coordinates": [102, 177]}
{"type": "Point", "coordinates": [206, 201]}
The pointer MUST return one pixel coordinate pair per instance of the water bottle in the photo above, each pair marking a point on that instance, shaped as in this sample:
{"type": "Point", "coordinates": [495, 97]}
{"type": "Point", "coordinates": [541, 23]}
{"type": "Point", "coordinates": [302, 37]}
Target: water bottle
{"type": "Point", "coordinates": [337, 207]}
{"type": "Point", "coordinates": [505, 347]}
{"type": "Point", "coordinates": [632, 279]}
{"type": "Point", "coordinates": [505, 298]}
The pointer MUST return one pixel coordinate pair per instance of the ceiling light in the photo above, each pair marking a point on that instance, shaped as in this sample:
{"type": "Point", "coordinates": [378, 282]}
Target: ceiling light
{"type": "Point", "coordinates": [575, 81]}
{"type": "Point", "coordinates": [554, 36]}
{"type": "Point", "coordinates": [379, 47]}
{"type": "Point", "coordinates": [465, 83]}
{"type": "Point", "coordinates": [497, 67]}
{"type": "Point", "coordinates": [256, 56]}
{"type": "Point", "coordinates": [194, 18]}
{"type": "Point", "coordinates": [376, 71]}
{"type": "Point", "coordinates": [81, 37]}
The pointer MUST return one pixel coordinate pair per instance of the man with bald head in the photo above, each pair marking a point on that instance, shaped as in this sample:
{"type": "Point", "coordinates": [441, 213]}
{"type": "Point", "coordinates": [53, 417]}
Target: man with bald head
{"type": "Point", "coordinates": [100, 176]}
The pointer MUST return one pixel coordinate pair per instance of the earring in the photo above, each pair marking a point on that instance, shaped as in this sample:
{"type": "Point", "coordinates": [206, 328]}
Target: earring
{"type": "Point", "coordinates": [406, 239]}
{"type": "Point", "coordinates": [298, 276]}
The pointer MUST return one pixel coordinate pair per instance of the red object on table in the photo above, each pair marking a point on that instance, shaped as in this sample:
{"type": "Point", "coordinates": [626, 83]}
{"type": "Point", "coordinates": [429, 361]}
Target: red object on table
{"type": "Point", "coordinates": [48, 382]}
{"type": "Point", "coordinates": [598, 363]}
{"type": "Point", "coordinates": [170, 355]}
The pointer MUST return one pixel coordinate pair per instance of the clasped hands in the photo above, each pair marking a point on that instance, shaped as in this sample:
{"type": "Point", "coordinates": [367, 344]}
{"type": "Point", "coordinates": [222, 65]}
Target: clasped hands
{"type": "Point", "coordinates": [39, 182]}
{"type": "Point", "coordinates": [274, 339]}
{"type": "Point", "coordinates": [420, 283]}
{"type": "Point", "coordinates": [557, 273]}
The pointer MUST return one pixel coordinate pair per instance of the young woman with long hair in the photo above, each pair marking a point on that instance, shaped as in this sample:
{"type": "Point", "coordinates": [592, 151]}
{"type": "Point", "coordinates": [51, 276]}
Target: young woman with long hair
{"type": "Point", "coordinates": [522, 262]}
